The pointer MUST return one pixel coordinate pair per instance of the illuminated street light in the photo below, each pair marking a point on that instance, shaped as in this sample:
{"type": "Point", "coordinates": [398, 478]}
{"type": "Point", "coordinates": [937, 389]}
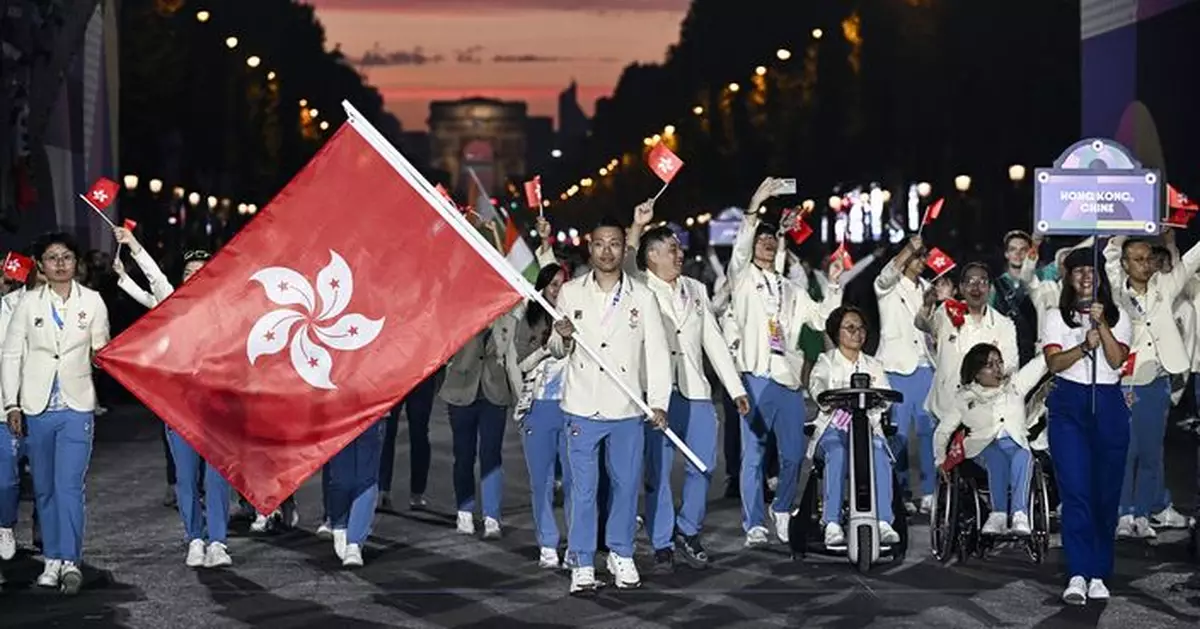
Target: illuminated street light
{"type": "Point", "coordinates": [304, 102]}
{"type": "Point", "coordinates": [817, 33]}
{"type": "Point", "coordinates": [324, 125]}
{"type": "Point", "coordinates": [603, 172]}
{"type": "Point", "coordinates": [962, 183]}
{"type": "Point", "coordinates": [212, 203]}
{"type": "Point", "coordinates": [783, 54]}
{"type": "Point", "coordinates": [194, 198]}
{"type": "Point", "coordinates": [156, 185]}
{"type": "Point", "coordinates": [202, 16]}
{"type": "Point", "coordinates": [131, 182]}
{"type": "Point", "coordinates": [690, 221]}
{"type": "Point", "coordinates": [835, 202]}
{"type": "Point", "coordinates": [586, 182]}
{"type": "Point", "coordinates": [924, 189]}
{"type": "Point", "coordinates": [271, 75]}
{"type": "Point", "coordinates": [656, 138]}
{"type": "Point", "coordinates": [231, 42]}
{"type": "Point", "coordinates": [314, 112]}
{"type": "Point", "coordinates": [669, 130]}
{"type": "Point", "coordinates": [1016, 173]}
{"type": "Point", "coordinates": [733, 87]}
{"type": "Point", "coordinates": [760, 70]}
{"type": "Point", "coordinates": [698, 110]}
{"type": "Point", "coordinates": [253, 209]}
{"type": "Point", "coordinates": [178, 192]}
{"type": "Point", "coordinates": [648, 141]}
{"type": "Point", "coordinates": [253, 61]}
{"type": "Point", "coordinates": [242, 208]}
{"type": "Point", "coordinates": [556, 153]}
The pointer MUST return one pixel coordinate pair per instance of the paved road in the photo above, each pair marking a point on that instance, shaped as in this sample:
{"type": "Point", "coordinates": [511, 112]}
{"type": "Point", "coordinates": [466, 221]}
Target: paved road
{"type": "Point", "coordinates": [420, 573]}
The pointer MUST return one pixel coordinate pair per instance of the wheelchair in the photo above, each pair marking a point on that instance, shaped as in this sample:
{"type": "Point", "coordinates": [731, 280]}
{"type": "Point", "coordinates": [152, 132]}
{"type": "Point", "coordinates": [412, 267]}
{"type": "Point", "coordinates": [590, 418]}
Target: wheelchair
{"type": "Point", "coordinates": [863, 546]}
{"type": "Point", "coordinates": [962, 503]}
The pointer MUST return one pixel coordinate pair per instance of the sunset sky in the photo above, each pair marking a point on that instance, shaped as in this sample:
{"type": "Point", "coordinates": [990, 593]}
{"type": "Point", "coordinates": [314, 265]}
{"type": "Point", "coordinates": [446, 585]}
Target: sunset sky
{"type": "Point", "coordinates": [415, 51]}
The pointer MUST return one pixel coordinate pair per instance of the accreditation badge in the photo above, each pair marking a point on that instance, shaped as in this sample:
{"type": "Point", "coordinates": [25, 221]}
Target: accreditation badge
{"type": "Point", "coordinates": [775, 337]}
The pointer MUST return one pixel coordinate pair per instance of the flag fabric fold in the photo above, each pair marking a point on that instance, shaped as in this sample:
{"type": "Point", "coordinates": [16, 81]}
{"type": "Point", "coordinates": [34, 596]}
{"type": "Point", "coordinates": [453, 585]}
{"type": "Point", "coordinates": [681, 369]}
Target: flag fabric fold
{"type": "Point", "coordinates": [343, 294]}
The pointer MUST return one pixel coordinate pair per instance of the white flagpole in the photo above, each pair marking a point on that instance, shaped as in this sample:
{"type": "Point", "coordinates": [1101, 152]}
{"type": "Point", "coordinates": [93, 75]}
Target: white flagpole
{"type": "Point", "coordinates": [660, 191]}
{"type": "Point", "coordinates": [493, 257]}
{"type": "Point", "coordinates": [97, 210]}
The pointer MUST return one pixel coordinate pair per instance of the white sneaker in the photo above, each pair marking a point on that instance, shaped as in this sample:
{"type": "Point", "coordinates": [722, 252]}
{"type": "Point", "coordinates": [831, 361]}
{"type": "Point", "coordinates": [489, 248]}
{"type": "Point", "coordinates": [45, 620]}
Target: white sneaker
{"type": "Point", "coordinates": [217, 556]}
{"type": "Point", "coordinates": [583, 580]}
{"type": "Point", "coordinates": [926, 504]}
{"type": "Point", "coordinates": [782, 519]}
{"type": "Point", "coordinates": [1097, 590]}
{"type": "Point", "coordinates": [491, 528]}
{"type": "Point", "coordinates": [1142, 529]}
{"type": "Point", "coordinates": [339, 543]}
{"type": "Point", "coordinates": [548, 560]}
{"type": "Point", "coordinates": [325, 531]}
{"type": "Point", "coordinates": [1076, 592]}
{"type": "Point", "coordinates": [352, 557]}
{"type": "Point", "coordinates": [757, 536]}
{"type": "Point", "coordinates": [195, 554]}
{"type": "Point", "coordinates": [887, 534]}
{"type": "Point", "coordinates": [624, 571]}
{"type": "Point", "coordinates": [1168, 518]}
{"type": "Point", "coordinates": [261, 523]}
{"type": "Point", "coordinates": [466, 523]}
{"type": "Point", "coordinates": [834, 535]}
{"type": "Point", "coordinates": [70, 579]}
{"type": "Point", "coordinates": [996, 524]}
{"type": "Point", "coordinates": [1125, 527]}
{"type": "Point", "coordinates": [51, 573]}
{"type": "Point", "coordinates": [8, 544]}
{"type": "Point", "coordinates": [1020, 524]}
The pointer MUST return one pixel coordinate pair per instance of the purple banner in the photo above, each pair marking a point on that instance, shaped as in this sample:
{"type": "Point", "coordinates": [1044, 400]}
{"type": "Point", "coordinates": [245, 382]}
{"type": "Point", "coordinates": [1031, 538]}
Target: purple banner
{"type": "Point", "coordinates": [1087, 202]}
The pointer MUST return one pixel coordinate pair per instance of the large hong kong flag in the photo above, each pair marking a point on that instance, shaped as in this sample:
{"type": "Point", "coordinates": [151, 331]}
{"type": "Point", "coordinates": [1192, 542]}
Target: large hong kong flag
{"type": "Point", "coordinates": [353, 285]}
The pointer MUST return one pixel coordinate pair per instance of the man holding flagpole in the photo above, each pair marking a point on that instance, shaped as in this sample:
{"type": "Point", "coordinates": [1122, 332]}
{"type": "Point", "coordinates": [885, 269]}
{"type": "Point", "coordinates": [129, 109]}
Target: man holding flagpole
{"type": "Point", "coordinates": [620, 317]}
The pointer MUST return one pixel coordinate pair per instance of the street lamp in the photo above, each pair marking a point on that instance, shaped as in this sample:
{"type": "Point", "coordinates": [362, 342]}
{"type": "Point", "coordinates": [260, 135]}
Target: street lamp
{"type": "Point", "coordinates": [733, 87]}
{"type": "Point", "coordinates": [760, 70]}
{"type": "Point", "coordinates": [271, 75]}
{"type": "Point", "coordinates": [698, 110]}
{"type": "Point", "coordinates": [156, 185]}
{"type": "Point", "coordinates": [194, 198]}
{"type": "Point", "coordinates": [656, 138]}
{"type": "Point", "coordinates": [1016, 173]}
{"type": "Point", "coordinates": [231, 42]}
{"type": "Point", "coordinates": [556, 153]}
{"type": "Point", "coordinates": [924, 189]}
{"type": "Point", "coordinates": [131, 182]}
{"type": "Point", "coordinates": [690, 221]}
{"type": "Point", "coordinates": [212, 203]}
{"type": "Point", "coordinates": [202, 16]}
{"type": "Point", "coordinates": [783, 54]}
{"type": "Point", "coordinates": [314, 112]}
{"type": "Point", "coordinates": [603, 172]}
{"type": "Point", "coordinates": [817, 33]}
{"type": "Point", "coordinates": [304, 102]}
{"type": "Point", "coordinates": [835, 203]}
{"type": "Point", "coordinates": [669, 130]}
{"type": "Point", "coordinates": [178, 192]}
{"type": "Point", "coordinates": [242, 208]}
{"type": "Point", "coordinates": [324, 125]}
{"type": "Point", "coordinates": [253, 61]}
{"type": "Point", "coordinates": [253, 209]}
{"type": "Point", "coordinates": [962, 183]}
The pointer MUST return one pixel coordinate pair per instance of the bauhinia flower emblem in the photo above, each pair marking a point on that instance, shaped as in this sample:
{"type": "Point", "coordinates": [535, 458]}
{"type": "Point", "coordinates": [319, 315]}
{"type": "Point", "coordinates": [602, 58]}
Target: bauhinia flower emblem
{"type": "Point", "coordinates": [308, 331]}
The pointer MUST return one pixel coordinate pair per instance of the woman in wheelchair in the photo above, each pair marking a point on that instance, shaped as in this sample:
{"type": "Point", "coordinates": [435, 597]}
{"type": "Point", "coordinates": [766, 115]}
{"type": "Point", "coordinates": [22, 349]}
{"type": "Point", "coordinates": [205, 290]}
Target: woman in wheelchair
{"type": "Point", "coordinates": [847, 326]}
{"type": "Point", "coordinates": [991, 407]}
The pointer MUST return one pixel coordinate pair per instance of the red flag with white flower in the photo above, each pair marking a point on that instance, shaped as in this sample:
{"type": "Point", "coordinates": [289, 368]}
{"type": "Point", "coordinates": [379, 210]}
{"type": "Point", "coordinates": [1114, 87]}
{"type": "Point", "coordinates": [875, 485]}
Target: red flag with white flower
{"type": "Point", "coordinates": [956, 452]}
{"type": "Point", "coordinates": [933, 211]}
{"type": "Point", "coordinates": [664, 163]}
{"type": "Point", "coordinates": [1177, 200]}
{"type": "Point", "coordinates": [939, 262]}
{"type": "Point", "coordinates": [312, 323]}
{"type": "Point", "coordinates": [101, 195]}
{"type": "Point", "coordinates": [533, 193]}
{"type": "Point", "coordinates": [17, 267]}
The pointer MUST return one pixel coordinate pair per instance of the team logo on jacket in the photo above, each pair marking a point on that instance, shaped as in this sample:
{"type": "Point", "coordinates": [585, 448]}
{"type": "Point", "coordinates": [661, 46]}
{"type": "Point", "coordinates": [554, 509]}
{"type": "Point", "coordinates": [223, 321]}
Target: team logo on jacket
{"type": "Point", "coordinates": [634, 318]}
{"type": "Point", "coordinates": [322, 326]}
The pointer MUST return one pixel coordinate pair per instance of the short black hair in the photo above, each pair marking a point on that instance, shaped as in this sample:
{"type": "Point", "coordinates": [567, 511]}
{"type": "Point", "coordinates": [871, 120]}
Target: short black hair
{"type": "Point", "coordinates": [833, 324]}
{"type": "Point", "coordinates": [649, 239]}
{"type": "Point", "coordinates": [45, 241]}
{"type": "Point", "coordinates": [974, 362]}
{"type": "Point", "coordinates": [1129, 242]}
{"type": "Point", "coordinates": [609, 221]}
{"type": "Point", "coordinates": [962, 276]}
{"type": "Point", "coordinates": [1017, 233]}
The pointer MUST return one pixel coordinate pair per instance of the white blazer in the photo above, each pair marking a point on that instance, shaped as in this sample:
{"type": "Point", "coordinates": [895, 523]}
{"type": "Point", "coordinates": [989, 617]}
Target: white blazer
{"type": "Point", "coordinates": [481, 366]}
{"type": "Point", "coordinates": [985, 412]}
{"type": "Point", "coordinates": [692, 332]}
{"type": "Point", "coordinates": [1156, 337]}
{"type": "Point", "coordinates": [745, 323]}
{"type": "Point", "coordinates": [832, 371]}
{"type": "Point", "coordinates": [160, 287]}
{"type": "Point", "coordinates": [632, 342]}
{"type": "Point", "coordinates": [901, 345]}
{"type": "Point", "coordinates": [35, 351]}
{"type": "Point", "coordinates": [953, 344]}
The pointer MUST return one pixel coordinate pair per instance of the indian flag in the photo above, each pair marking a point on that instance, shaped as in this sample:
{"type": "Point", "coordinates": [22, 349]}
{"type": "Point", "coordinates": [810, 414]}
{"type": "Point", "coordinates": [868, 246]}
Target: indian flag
{"type": "Point", "coordinates": [516, 250]}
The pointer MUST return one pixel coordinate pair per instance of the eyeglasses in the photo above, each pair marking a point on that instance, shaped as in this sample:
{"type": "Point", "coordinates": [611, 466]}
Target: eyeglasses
{"type": "Point", "coordinates": [68, 258]}
{"type": "Point", "coordinates": [976, 281]}
{"type": "Point", "coordinates": [854, 330]}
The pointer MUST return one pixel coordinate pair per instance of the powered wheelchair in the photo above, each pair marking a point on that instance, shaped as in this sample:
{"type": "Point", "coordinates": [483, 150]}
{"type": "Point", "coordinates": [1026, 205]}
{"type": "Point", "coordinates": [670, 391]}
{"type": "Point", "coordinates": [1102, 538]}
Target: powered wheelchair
{"type": "Point", "coordinates": [863, 546]}
{"type": "Point", "coordinates": [962, 503]}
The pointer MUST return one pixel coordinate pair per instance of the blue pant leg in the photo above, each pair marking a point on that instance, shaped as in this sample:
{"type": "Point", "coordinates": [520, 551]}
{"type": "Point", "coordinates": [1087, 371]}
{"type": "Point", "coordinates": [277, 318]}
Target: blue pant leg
{"type": "Point", "coordinates": [492, 422]}
{"type": "Point", "coordinates": [1069, 431]}
{"type": "Point", "coordinates": [340, 472]}
{"type": "Point", "coordinates": [464, 426]}
{"type": "Point", "coordinates": [833, 445]}
{"type": "Point", "coordinates": [216, 504]}
{"type": "Point", "coordinates": [73, 453]}
{"type": "Point", "coordinates": [626, 443]}
{"type": "Point", "coordinates": [541, 436]}
{"type": "Point", "coordinates": [11, 449]}
{"type": "Point", "coordinates": [924, 424]}
{"type": "Point", "coordinates": [583, 444]}
{"type": "Point", "coordinates": [883, 480]}
{"type": "Point", "coordinates": [788, 427]}
{"type": "Point", "coordinates": [659, 458]}
{"type": "Point", "coordinates": [1152, 402]}
{"type": "Point", "coordinates": [700, 434]}
{"type": "Point", "coordinates": [754, 429]}
{"type": "Point", "coordinates": [1020, 474]}
{"type": "Point", "coordinates": [995, 460]}
{"type": "Point", "coordinates": [187, 485]}
{"type": "Point", "coordinates": [366, 451]}
{"type": "Point", "coordinates": [1109, 442]}
{"type": "Point", "coordinates": [903, 418]}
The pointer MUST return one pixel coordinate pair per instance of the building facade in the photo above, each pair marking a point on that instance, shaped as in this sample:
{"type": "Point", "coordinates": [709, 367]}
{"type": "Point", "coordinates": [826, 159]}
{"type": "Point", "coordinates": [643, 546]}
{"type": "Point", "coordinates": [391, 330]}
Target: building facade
{"type": "Point", "coordinates": [481, 135]}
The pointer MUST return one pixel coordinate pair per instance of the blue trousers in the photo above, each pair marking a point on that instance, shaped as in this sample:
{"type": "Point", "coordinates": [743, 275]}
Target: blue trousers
{"type": "Point", "coordinates": [478, 428]}
{"type": "Point", "coordinates": [1089, 455]}
{"type": "Point", "coordinates": [911, 417]}
{"type": "Point", "coordinates": [779, 410]}
{"type": "Point", "coordinates": [354, 485]}
{"type": "Point", "coordinates": [625, 442]}
{"type": "Point", "coordinates": [695, 421]}
{"type": "Point", "coordinates": [1142, 492]}
{"type": "Point", "coordinates": [833, 445]}
{"type": "Point", "coordinates": [12, 448]}
{"type": "Point", "coordinates": [1009, 467]}
{"type": "Point", "coordinates": [215, 509]}
{"type": "Point", "coordinates": [544, 436]}
{"type": "Point", "coordinates": [59, 446]}
{"type": "Point", "coordinates": [418, 407]}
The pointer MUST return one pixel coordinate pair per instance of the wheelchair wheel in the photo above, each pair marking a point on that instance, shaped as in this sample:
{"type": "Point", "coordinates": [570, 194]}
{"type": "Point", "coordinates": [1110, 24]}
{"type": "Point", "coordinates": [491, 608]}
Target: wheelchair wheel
{"type": "Point", "coordinates": [943, 518]}
{"type": "Point", "coordinates": [970, 519]}
{"type": "Point", "coordinates": [863, 561]}
{"type": "Point", "coordinates": [1039, 507]}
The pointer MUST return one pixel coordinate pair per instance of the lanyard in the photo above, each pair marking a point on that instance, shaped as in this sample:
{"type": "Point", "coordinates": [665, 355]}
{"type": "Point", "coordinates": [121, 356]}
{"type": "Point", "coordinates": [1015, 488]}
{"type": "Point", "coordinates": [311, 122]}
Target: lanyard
{"type": "Point", "coordinates": [777, 293]}
{"type": "Point", "coordinates": [54, 315]}
{"type": "Point", "coordinates": [616, 300]}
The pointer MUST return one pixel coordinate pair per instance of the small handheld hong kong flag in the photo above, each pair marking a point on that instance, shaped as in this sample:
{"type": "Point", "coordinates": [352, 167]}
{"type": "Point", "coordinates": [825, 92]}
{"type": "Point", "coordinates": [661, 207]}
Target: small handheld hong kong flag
{"type": "Point", "coordinates": [842, 256]}
{"type": "Point", "coordinates": [1177, 200]}
{"type": "Point", "coordinates": [533, 193]}
{"type": "Point", "coordinates": [17, 267]}
{"type": "Point", "coordinates": [129, 224]}
{"type": "Point", "coordinates": [664, 163]}
{"type": "Point", "coordinates": [956, 453]}
{"type": "Point", "coordinates": [933, 211]}
{"type": "Point", "coordinates": [100, 196]}
{"type": "Point", "coordinates": [939, 262]}
{"type": "Point", "coordinates": [1128, 365]}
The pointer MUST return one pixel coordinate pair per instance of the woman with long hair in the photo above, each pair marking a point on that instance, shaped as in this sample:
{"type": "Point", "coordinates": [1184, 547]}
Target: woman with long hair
{"type": "Point", "coordinates": [1086, 342]}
